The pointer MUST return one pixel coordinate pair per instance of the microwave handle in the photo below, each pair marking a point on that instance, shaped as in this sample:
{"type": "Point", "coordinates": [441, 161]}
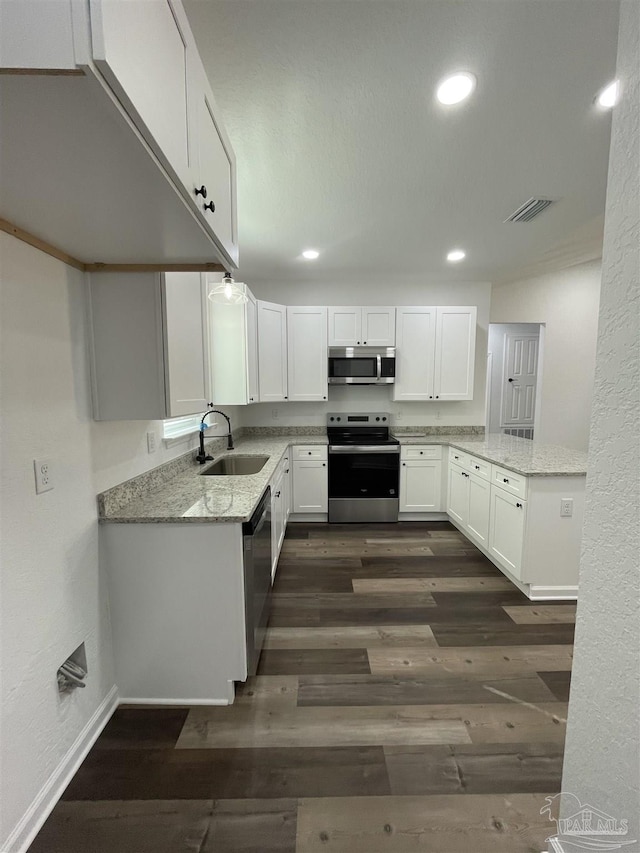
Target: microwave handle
{"type": "Point", "coordinates": [379, 361]}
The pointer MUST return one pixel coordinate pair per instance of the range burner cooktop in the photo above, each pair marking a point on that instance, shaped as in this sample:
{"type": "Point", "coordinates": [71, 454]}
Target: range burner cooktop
{"type": "Point", "coordinates": [358, 428]}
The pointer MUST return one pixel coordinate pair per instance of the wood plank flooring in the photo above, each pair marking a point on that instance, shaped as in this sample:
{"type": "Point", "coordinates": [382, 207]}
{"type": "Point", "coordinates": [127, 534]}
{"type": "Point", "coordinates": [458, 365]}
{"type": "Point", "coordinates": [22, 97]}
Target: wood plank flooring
{"type": "Point", "coordinates": [409, 698]}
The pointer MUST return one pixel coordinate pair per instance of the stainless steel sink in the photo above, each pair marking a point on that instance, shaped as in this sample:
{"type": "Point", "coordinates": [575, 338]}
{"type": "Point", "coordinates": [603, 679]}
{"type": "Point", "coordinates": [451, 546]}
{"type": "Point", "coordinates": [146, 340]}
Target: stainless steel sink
{"type": "Point", "coordinates": [232, 466]}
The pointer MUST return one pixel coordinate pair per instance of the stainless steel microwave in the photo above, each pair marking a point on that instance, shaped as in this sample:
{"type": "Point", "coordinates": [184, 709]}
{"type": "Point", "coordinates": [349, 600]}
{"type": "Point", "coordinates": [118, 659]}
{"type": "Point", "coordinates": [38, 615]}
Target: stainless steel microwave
{"type": "Point", "coordinates": [362, 365]}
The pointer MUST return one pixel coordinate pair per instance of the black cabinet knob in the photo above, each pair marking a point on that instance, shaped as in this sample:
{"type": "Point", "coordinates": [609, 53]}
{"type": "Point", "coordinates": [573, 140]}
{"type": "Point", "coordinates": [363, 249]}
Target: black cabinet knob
{"type": "Point", "coordinates": [519, 506]}
{"type": "Point", "coordinates": [421, 452]}
{"type": "Point", "coordinates": [202, 191]}
{"type": "Point", "coordinates": [504, 480]}
{"type": "Point", "coordinates": [211, 206]}
{"type": "Point", "coordinates": [324, 464]}
{"type": "Point", "coordinates": [431, 396]}
{"type": "Point", "coordinates": [437, 396]}
{"type": "Point", "coordinates": [364, 342]}
{"type": "Point", "coordinates": [404, 464]}
{"type": "Point", "coordinates": [510, 379]}
{"type": "Point", "coordinates": [286, 398]}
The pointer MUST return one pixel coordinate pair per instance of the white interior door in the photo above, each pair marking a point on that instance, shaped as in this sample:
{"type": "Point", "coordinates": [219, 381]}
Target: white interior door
{"type": "Point", "coordinates": [520, 377]}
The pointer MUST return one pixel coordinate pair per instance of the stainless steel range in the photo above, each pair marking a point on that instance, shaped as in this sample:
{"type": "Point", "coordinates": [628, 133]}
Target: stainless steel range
{"type": "Point", "coordinates": [364, 468]}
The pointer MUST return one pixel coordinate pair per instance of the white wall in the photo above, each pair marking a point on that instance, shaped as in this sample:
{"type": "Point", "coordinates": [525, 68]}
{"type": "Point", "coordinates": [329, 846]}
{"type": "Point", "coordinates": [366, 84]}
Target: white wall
{"type": "Point", "coordinates": [497, 344]}
{"type": "Point", "coordinates": [567, 303]}
{"type": "Point", "coordinates": [602, 758]}
{"type": "Point", "coordinates": [52, 596]}
{"type": "Point", "coordinates": [372, 291]}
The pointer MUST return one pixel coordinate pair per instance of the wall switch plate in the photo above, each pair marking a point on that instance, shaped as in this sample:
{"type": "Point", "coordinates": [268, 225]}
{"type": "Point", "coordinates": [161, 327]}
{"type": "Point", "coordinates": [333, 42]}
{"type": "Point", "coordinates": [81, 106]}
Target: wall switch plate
{"type": "Point", "coordinates": [151, 442]}
{"type": "Point", "coordinates": [566, 507]}
{"type": "Point", "coordinates": [44, 476]}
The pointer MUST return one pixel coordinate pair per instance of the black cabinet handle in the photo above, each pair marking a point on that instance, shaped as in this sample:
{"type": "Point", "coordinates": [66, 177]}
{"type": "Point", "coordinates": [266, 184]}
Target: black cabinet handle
{"type": "Point", "coordinates": [477, 467]}
{"type": "Point", "coordinates": [211, 206]}
{"type": "Point", "coordinates": [421, 452]}
{"type": "Point", "coordinates": [404, 464]}
{"type": "Point", "coordinates": [519, 506]}
{"type": "Point", "coordinates": [202, 191]}
{"type": "Point", "coordinates": [277, 494]}
{"type": "Point", "coordinates": [324, 464]}
{"type": "Point", "coordinates": [358, 342]}
{"type": "Point", "coordinates": [510, 380]}
{"type": "Point", "coordinates": [431, 396]}
{"type": "Point", "coordinates": [504, 480]}
{"type": "Point", "coordinates": [437, 396]}
{"type": "Point", "coordinates": [364, 342]}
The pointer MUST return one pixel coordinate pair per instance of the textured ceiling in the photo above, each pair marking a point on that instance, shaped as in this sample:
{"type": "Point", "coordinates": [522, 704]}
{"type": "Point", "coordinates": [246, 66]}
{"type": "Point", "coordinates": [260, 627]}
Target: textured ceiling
{"type": "Point", "coordinates": [342, 147]}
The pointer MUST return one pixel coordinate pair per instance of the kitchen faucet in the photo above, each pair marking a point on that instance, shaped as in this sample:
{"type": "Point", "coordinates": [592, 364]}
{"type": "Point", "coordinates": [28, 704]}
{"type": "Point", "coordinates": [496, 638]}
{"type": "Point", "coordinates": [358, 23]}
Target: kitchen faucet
{"type": "Point", "coordinates": [203, 456]}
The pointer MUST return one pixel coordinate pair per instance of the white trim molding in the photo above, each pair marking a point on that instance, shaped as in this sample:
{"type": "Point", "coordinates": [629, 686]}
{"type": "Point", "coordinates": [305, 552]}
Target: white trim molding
{"type": "Point", "coordinates": [553, 593]}
{"type": "Point", "coordinates": [42, 806]}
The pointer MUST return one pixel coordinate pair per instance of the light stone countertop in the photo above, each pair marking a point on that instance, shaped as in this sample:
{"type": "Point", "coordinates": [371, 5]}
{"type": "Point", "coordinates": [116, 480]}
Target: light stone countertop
{"type": "Point", "coordinates": [520, 455]}
{"type": "Point", "coordinates": [190, 497]}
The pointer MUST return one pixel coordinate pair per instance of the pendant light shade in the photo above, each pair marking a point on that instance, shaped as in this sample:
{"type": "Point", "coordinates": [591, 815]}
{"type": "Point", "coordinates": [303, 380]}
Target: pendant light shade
{"type": "Point", "coordinates": [228, 292]}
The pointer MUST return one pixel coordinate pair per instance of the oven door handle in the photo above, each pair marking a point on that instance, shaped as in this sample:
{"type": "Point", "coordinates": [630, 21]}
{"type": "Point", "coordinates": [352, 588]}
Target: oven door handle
{"type": "Point", "coordinates": [379, 362]}
{"type": "Point", "coordinates": [362, 448]}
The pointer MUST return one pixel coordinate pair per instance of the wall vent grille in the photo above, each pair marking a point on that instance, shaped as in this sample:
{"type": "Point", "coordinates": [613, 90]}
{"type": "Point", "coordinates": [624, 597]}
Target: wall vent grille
{"type": "Point", "coordinates": [519, 432]}
{"type": "Point", "coordinates": [531, 208]}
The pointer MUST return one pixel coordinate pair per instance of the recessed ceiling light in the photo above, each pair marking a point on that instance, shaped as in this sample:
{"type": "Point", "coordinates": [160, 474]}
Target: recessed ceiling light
{"type": "Point", "coordinates": [456, 88]}
{"type": "Point", "coordinates": [456, 255]}
{"type": "Point", "coordinates": [608, 97]}
{"type": "Point", "coordinates": [310, 254]}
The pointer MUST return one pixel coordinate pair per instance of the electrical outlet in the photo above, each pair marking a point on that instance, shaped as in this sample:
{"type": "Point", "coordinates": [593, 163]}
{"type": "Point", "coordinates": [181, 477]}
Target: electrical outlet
{"type": "Point", "coordinates": [438, 415]}
{"type": "Point", "coordinates": [151, 442]}
{"type": "Point", "coordinates": [566, 507]}
{"type": "Point", "coordinates": [274, 413]}
{"type": "Point", "coordinates": [44, 476]}
{"type": "Point", "coordinates": [399, 415]}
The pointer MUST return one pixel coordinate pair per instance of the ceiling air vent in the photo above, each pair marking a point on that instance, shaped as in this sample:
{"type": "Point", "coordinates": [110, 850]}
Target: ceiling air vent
{"type": "Point", "coordinates": [529, 209]}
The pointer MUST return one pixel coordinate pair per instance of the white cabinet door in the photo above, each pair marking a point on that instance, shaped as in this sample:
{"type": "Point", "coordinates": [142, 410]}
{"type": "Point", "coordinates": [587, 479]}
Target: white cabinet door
{"type": "Point", "coordinates": [379, 327]}
{"type": "Point", "coordinates": [307, 353]}
{"type": "Point", "coordinates": [141, 48]}
{"type": "Point", "coordinates": [233, 346]}
{"type": "Point", "coordinates": [345, 326]}
{"type": "Point", "coordinates": [479, 509]}
{"type": "Point", "coordinates": [458, 495]}
{"type": "Point", "coordinates": [507, 530]}
{"type": "Point", "coordinates": [214, 164]}
{"type": "Point", "coordinates": [186, 344]}
{"type": "Point", "coordinates": [251, 325]}
{"type": "Point", "coordinates": [415, 341]}
{"type": "Point", "coordinates": [455, 353]}
{"type": "Point", "coordinates": [420, 486]}
{"type": "Point", "coordinates": [310, 486]}
{"type": "Point", "coordinates": [272, 351]}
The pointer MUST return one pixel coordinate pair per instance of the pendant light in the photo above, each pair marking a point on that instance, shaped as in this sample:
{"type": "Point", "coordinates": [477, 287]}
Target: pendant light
{"type": "Point", "coordinates": [228, 292]}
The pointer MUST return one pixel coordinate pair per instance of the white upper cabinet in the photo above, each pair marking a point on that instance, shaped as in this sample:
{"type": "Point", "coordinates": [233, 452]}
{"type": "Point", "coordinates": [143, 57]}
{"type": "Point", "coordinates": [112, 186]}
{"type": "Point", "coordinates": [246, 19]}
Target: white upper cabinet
{"type": "Point", "coordinates": [352, 326]}
{"type": "Point", "coordinates": [435, 358]}
{"type": "Point", "coordinates": [345, 326]}
{"type": "Point", "coordinates": [415, 353]}
{"type": "Point", "coordinates": [455, 353]}
{"type": "Point", "coordinates": [213, 163]}
{"type": "Point", "coordinates": [142, 50]}
{"type": "Point", "coordinates": [149, 345]}
{"type": "Point", "coordinates": [133, 131]}
{"type": "Point", "coordinates": [272, 351]}
{"type": "Point", "coordinates": [379, 327]}
{"type": "Point", "coordinates": [233, 346]}
{"type": "Point", "coordinates": [307, 353]}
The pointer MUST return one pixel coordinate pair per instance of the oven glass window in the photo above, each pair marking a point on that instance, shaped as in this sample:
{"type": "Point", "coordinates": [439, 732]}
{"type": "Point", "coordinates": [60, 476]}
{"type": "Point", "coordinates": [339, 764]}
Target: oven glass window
{"type": "Point", "coordinates": [363, 475]}
{"type": "Point", "coordinates": [365, 368]}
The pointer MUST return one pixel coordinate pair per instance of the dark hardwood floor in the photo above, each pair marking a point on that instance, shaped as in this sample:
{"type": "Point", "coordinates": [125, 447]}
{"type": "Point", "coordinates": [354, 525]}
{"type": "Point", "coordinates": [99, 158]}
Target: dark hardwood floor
{"type": "Point", "coordinates": [409, 698]}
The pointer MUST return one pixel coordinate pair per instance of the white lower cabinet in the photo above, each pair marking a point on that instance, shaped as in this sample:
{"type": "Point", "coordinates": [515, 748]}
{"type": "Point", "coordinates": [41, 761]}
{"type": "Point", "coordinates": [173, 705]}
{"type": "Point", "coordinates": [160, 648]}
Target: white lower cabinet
{"type": "Point", "coordinates": [280, 509]}
{"type": "Point", "coordinates": [310, 481]}
{"type": "Point", "coordinates": [458, 494]}
{"type": "Point", "coordinates": [479, 509]}
{"type": "Point", "coordinates": [421, 485]}
{"type": "Point", "coordinates": [507, 530]}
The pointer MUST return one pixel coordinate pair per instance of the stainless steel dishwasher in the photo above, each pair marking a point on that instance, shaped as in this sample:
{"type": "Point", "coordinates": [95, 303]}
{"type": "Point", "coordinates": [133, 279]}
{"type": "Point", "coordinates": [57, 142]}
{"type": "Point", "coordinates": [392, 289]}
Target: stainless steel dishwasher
{"type": "Point", "coordinates": [256, 542]}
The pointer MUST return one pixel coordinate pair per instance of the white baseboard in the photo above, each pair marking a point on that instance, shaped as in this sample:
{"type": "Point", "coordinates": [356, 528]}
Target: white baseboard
{"type": "Point", "coordinates": [177, 702]}
{"type": "Point", "coordinates": [423, 516]}
{"type": "Point", "coordinates": [42, 806]}
{"type": "Point", "coordinates": [553, 593]}
{"type": "Point", "coordinates": [308, 516]}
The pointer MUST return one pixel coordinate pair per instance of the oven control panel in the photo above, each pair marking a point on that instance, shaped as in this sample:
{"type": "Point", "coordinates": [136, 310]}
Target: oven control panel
{"type": "Point", "coordinates": [358, 419]}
